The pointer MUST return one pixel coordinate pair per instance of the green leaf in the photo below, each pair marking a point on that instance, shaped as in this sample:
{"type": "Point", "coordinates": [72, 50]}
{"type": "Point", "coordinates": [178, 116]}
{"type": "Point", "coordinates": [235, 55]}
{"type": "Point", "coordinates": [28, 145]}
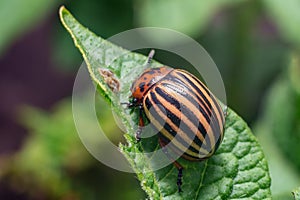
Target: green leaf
{"type": "Point", "coordinates": [17, 16]}
{"type": "Point", "coordinates": [237, 170]}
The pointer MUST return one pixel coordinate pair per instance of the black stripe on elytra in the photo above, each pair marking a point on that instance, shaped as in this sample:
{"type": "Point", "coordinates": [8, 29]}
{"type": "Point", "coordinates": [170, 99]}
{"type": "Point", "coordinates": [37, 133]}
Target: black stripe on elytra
{"type": "Point", "coordinates": [215, 120]}
{"type": "Point", "coordinates": [200, 92]}
{"type": "Point", "coordinates": [188, 97]}
{"type": "Point", "coordinates": [185, 108]}
{"type": "Point", "coordinates": [207, 104]}
{"type": "Point", "coordinates": [178, 150]}
{"type": "Point", "coordinates": [219, 140]}
{"type": "Point", "coordinates": [162, 122]}
{"type": "Point", "coordinates": [215, 125]}
{"type": "Point", "coordinates": [221, 113]}
{"type": "Point", "coordinates": [212, 96]}
{"type": "Point", "coordinates": [184, 127]}
{"type": "Point", "coordinates": [188, 114]}
{"type": "Point", "coordinates": [183, 75]}
{"type": "Point", "coordinates": [215, 133]}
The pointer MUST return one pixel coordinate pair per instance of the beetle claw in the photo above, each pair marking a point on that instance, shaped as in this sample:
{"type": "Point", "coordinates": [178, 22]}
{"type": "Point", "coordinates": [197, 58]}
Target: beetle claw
{"type": "Point", "coordinates": [138, 134]}
{"type": "Point", "coordinates": [179, 179]}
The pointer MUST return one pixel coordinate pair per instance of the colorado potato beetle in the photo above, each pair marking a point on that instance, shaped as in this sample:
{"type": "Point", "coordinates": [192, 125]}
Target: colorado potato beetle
{"type": "Point", "coordinates": [186, 114]}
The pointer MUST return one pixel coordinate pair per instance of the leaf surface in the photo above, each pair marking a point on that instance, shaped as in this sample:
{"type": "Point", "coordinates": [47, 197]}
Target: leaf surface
{"type": "Point", "coordinates": [238, 169]}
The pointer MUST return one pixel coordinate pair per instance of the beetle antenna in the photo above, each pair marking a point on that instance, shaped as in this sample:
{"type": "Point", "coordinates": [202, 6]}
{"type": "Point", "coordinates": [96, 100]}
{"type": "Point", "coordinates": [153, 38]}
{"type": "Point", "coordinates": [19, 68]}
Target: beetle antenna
{"type": "Point", "coordinates": [150, 57]}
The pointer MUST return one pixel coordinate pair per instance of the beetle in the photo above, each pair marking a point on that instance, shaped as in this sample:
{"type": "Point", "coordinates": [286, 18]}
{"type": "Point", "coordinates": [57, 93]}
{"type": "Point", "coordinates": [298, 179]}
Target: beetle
{"type": "Point", "coordinates": [186, 114]}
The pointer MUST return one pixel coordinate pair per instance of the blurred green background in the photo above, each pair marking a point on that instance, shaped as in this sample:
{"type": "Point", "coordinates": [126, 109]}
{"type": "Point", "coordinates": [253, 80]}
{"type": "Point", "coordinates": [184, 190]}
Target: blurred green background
{"type": "Point", "coordinates": [255, 45]}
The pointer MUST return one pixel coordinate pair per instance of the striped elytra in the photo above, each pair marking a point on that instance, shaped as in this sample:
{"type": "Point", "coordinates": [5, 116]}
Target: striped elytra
{"type": "Point", "coordinates": [186, 114]}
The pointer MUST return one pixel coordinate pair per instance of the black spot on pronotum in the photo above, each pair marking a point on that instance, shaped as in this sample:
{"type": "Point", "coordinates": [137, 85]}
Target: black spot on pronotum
{"type": "Point", "coordinates": [151, 72]}
{"type": "Point", "coordinates": [142, 86]}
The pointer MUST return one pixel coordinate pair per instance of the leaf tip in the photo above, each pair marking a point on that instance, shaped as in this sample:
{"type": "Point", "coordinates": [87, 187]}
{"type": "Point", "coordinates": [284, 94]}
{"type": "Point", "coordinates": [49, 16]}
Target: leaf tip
{"type": "Point", "coordinates": [63, 11]}
{"type": "Point", "coordinates": [64, 15]}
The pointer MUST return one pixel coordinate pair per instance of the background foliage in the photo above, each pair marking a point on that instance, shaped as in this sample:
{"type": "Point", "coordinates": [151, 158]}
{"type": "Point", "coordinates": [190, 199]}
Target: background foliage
{"type": "Point", "coordinates": [255, 44]}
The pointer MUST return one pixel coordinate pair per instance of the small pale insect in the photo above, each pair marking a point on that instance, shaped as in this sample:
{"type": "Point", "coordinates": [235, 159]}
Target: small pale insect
{"type": "Point", "coordinates": [187, 115]}
{"type": "Point", "coordinates": [110, 79]}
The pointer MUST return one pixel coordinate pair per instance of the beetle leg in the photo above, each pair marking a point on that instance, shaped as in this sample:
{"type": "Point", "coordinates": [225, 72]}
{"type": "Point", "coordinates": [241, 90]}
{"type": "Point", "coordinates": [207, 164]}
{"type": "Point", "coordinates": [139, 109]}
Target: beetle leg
{"type": "Point", "coordinates": [128, 105]}
{"type": "Point", "coordinates": [141, 124]}
{"type": "Point", "coordinates": [176, 164]}
{"type": "Point", "coordinates": [141, 120]}
{"type": "Point", "coordinates": [225, 111]}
